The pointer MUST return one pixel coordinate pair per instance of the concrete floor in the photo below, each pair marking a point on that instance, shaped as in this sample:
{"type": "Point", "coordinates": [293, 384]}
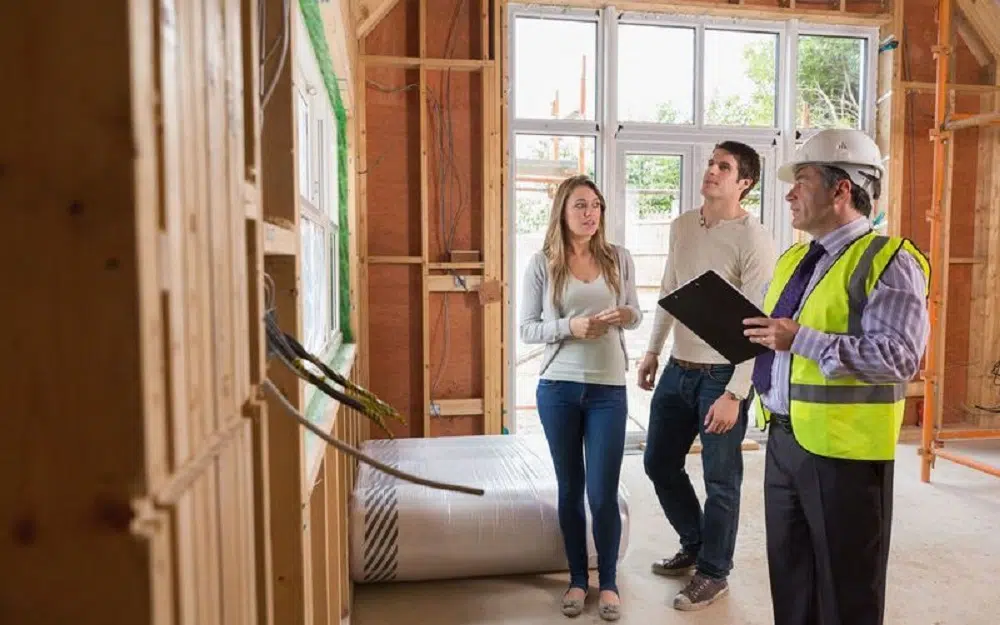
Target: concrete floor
{"type": "Point", "coordinates": [944, 568]}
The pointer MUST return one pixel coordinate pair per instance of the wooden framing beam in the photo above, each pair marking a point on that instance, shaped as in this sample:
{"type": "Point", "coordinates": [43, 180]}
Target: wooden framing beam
{"type": "Point", "coordinates": [338, 26]}
{"type": "Point", "coordinates": [928, 87]}
{"type": "Point", "coordinates": [984, 17]}
{"type": "Point", "coordinates": [425, 220]}
{"type": "Point", "coordinates": [493, 330]}
{"type": "Point", "coordinates": [501, 84]}
{"type": "Point", "coordinates": [973, 41]}
{"type": "Point", "coordinates": [279, 241]}
{"type": "Point", "coordinates": [454, 283]}
{"type": "Point", "coordinates": [984, 315]}
{"type": "Point", "coordinates": [890, 116]}
{"type": "Point", "coordinates": [370, 13]}
{"type": "Point", "coordinates": [287, 542]}
{"type": "Point", "coordinates": [457, 407]}
{"type": "Point", "coordinates": [412, 62]}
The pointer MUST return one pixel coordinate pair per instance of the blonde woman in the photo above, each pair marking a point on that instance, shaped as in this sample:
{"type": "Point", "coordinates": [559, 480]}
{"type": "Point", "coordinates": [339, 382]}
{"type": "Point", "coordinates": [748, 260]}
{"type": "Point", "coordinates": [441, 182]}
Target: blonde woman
{"type": "Point", "coordinates": [579, 296]}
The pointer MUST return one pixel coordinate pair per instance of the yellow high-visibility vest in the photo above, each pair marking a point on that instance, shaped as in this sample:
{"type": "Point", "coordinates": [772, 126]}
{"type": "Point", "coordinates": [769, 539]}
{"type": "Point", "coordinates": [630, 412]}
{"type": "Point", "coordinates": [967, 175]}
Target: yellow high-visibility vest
{"type": "Point", "coordinates": [843, 417]}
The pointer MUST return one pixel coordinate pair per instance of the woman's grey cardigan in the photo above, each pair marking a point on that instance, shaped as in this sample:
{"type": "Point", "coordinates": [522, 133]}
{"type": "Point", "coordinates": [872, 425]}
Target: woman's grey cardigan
{"type": "Point", "coordinates": [540, 322]}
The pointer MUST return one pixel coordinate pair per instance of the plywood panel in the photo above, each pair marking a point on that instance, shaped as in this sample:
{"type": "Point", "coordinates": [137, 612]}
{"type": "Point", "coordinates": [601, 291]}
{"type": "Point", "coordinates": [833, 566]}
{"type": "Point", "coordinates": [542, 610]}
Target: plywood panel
{"type": "Point", "coordinates": [397, 34]}
{"type": "Point", "coordinates": [920, 37]}
{"type": "Point", "coordinates": [470, 425]}
{"type": "Point", "coordinates": [456, 346]}
{"type": "Point", "coordinates": [455, 175]}
{"type": "Point", "coordinates": [454, 31]}
{"type": "Point", "coordinates": [396, 372]}
{"type": "Point", "coordinates": [392, 170]}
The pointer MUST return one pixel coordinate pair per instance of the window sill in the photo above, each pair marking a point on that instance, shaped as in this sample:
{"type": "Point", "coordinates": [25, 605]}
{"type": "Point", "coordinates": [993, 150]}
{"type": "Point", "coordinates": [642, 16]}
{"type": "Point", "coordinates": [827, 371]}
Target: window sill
{"type": "Point", "coordinates": [322, 411]}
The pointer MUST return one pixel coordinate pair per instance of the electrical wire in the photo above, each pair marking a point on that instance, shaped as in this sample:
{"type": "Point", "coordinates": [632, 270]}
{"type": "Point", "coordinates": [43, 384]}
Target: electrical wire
{"type": "Point", "coordinates": [283, 39]}
{"type": "Point", "coordinates": [291, 353]}
{"type": "Point", "coordinates": [356, 453]}
{"type": "Point", "coordinates": [450, 188]}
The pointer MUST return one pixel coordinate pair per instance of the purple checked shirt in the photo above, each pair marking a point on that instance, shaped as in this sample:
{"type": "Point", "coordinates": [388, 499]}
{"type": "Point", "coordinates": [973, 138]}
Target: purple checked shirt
{"type": "Point", "coordinates": [894, 323]}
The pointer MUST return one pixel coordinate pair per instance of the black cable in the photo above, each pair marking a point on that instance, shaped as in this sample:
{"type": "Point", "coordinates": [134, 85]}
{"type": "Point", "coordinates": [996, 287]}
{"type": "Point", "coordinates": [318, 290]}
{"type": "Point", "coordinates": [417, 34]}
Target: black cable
{"type": "Point", "coordinates": [355, 453]}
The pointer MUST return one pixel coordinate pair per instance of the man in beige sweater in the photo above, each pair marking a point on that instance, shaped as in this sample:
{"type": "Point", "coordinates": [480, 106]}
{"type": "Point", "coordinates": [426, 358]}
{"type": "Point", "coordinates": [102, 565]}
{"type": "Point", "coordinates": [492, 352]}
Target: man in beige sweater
{"type": "Point", "coordinates": [700, 392]}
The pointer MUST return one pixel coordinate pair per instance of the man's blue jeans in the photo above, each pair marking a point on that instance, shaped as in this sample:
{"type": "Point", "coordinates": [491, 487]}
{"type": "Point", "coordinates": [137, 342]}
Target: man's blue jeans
{"type": "Point", "coordinates": [677, 414]}
{"type": "Point", "coordinates": [585, 423]}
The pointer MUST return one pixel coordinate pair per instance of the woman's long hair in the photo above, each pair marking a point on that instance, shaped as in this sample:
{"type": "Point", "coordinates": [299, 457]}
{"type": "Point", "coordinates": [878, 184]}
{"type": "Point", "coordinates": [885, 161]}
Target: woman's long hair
{"type": "Point", "coordinates": [557, 248]}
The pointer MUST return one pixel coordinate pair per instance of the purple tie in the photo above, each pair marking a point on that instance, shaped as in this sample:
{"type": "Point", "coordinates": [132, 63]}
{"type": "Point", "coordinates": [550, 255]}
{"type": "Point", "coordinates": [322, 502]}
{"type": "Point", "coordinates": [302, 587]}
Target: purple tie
{"type": "Point", "coordinates": [787, 304]}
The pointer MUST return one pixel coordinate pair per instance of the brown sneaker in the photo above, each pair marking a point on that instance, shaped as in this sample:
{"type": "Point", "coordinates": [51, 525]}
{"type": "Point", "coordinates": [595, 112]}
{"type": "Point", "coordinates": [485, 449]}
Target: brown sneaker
{"type": "Point", "coordinates": [680, 564]}
{"type": "Point", "coordinates": [700, 592]}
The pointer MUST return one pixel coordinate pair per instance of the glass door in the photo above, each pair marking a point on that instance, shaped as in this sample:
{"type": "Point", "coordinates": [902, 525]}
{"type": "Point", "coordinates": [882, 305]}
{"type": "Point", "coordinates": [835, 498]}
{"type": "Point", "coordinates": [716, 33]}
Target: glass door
{"type": "Point", "coordinates": [653, 185]}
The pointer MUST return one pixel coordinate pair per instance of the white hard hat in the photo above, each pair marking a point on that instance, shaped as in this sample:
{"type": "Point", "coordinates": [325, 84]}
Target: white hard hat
{"type": "Point", "coordinates": [849, 149]}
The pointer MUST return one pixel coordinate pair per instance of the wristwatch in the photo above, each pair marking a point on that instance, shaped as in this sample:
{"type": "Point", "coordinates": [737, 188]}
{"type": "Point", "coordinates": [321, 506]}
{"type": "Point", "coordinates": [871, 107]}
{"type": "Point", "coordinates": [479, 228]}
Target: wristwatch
{"type": "Point", "coordinates": [734, 396]}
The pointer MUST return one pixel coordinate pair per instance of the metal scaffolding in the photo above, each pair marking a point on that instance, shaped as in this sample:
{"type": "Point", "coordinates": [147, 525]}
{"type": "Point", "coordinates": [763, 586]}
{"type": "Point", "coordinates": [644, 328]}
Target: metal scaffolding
{"type": "Point", "coordinates": [946, 123]}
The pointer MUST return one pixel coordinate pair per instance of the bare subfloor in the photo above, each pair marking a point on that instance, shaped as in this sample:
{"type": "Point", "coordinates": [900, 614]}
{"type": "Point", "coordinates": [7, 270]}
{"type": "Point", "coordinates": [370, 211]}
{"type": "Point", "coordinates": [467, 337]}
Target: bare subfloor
{"type": "Point", "coordinates": [944, 568]}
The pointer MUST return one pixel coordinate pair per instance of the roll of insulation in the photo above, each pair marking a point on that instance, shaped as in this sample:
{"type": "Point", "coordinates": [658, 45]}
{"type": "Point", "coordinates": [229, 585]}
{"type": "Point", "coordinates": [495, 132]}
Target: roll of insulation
{"type": "Point", "coordinates": [404, 532]}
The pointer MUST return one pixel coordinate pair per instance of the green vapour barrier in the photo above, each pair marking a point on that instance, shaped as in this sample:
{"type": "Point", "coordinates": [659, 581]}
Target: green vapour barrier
{"type": "Point", "coordinates": [314, 24]}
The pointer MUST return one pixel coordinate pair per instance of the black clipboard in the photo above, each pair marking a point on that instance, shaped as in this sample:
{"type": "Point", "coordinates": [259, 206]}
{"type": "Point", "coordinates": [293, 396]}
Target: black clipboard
{"type": "Point", "coordinates": [714, 310]}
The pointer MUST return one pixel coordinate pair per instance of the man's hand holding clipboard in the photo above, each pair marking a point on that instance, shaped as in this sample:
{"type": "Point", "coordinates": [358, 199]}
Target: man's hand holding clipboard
{"type": "Point", "coordinates": [776, 334]}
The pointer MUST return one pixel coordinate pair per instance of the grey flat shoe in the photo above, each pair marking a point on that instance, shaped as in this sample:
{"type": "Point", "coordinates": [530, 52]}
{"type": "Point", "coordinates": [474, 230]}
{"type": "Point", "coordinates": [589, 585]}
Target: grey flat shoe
{"type": "Point", "coordinates": [609, 611]}
{"type": "Point", "coordinates": [572, 607]}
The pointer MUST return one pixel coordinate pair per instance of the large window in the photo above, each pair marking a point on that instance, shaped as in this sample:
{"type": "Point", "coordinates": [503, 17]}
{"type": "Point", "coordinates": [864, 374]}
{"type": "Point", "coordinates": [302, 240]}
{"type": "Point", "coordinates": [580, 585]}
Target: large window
{"type": "Point", "coordinates": [830, 81]}
{"type": "Point", "coordinates": [317, 165]}
{"type": "Point", "coordinates": [638, 101]}
{"type": "Point", "coordinates": [643, 95]}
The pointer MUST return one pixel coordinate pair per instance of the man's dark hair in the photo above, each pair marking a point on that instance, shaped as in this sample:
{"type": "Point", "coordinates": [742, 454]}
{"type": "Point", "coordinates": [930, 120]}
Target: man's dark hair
{"type": "Point", "coordinates": [747, 162]}
{"type": "Point", "coordinates": [859, 197]}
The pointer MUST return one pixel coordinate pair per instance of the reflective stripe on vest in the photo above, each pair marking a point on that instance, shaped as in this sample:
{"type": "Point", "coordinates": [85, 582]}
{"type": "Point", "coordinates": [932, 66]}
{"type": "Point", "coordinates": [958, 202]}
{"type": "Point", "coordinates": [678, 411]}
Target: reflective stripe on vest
{"type": "Point", "coordinates": [845, 417]}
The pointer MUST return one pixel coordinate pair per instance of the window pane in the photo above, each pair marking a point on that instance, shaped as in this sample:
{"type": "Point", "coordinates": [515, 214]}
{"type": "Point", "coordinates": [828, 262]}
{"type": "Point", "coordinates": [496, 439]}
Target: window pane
{"type": "Point", "coordinates": [651, 88]}
{"type": "Point", "coordinates": [322, 175]}
{"type": "Point", "coordinates": [315, 285]}
{"type": "Point", "coordinates": [333, 174]}
{"type": "Point", "coordinates": [652, 201]}
{"type": "Point", "coordinates": [542, 162]}
{"type": "Point", "coordinates": [554, 73]}
{"type": "Point", "coordinates": [740, 78]}
{"type": "Point", "coordinates": [753, 202]}
{"type": "Point", "coordinates": [829, 81]}
{"type": "Point", "coordinates": [304, 146]}
{"type": "Point", "coordinates": [334, 264]}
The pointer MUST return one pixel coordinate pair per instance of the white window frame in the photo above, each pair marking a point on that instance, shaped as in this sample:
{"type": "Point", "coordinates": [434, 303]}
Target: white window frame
{"type": "Point", "coordinates": [318, 192]}
{"type": "Point", "coordinates": [613, 137]}
{"type": "Point", "coordinates": [687, 152]}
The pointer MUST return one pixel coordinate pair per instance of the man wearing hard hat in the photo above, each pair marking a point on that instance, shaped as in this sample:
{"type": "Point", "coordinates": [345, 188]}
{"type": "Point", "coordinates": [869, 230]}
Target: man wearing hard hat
{"type": "Point", "coordinates": [847, 327]}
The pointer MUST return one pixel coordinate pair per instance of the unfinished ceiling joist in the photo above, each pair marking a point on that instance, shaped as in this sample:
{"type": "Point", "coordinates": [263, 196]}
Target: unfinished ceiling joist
{"type": "Point", "coordinates": [370, 13]}
{"type": "Point", "coordinates": [973, 41]}
{"type": "Point", "coordinates": [338, 23]}
{"type": "Point", "coordinates": [984, 17]}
